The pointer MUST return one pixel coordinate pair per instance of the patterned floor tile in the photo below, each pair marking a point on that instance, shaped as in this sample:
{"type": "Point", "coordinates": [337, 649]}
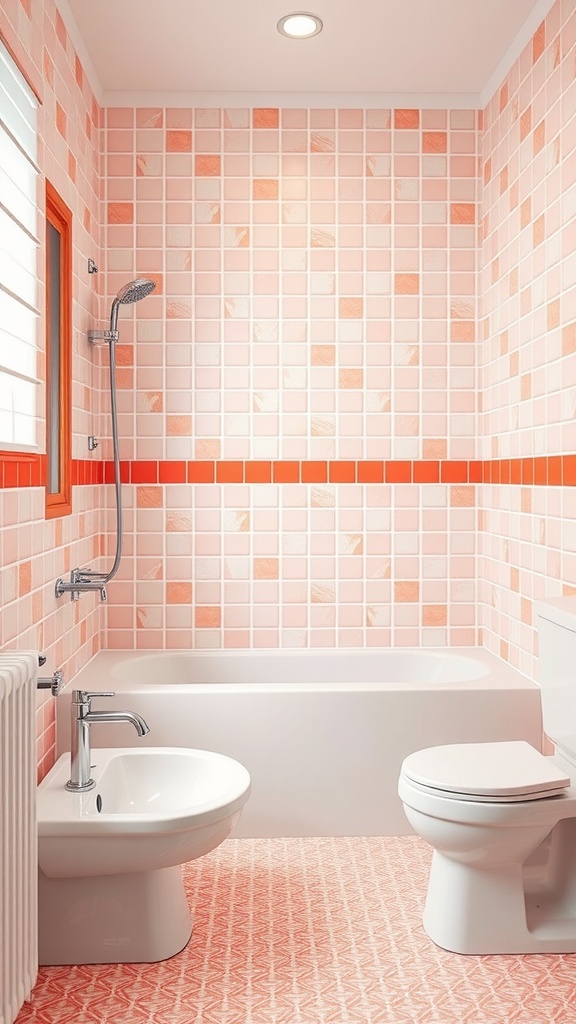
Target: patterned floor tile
{"type": "Point", "coordinates": [310, 931]}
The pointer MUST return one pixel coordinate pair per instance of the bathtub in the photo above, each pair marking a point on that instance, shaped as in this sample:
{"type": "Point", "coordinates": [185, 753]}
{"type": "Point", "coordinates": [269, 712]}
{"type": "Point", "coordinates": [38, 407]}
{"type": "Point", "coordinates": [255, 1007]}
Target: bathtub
{"type": "Point", "coordinates": [322, 734]}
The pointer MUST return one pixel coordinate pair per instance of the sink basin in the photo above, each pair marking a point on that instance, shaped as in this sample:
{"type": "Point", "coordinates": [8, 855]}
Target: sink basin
{"type": "Point", "coordinates": [165, 782]}
{"type": "Point", "coordinates": [110, 884]}
{"type": "Point", "coordinates": [178, 802]}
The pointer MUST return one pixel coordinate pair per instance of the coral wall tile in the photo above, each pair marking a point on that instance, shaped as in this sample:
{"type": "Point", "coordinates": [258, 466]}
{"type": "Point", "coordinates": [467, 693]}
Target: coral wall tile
{"type": "Point", "coordinates": [341, 472]}
{"type": "Point", "coordinates": [426, 472]}
{"type": "Point", "coordinates": [538, 42]}
{"type": "Point", "coordinates": [406, 118]}
{"type": "Point", "coordinates": [265, 117]}
{"type": "Point", "coordinates": [406, 284]}
{"type": "Point", "coordinates": [200, 472]}
{"type": "Point", "coordinates": [178, 141]}
{"type": "Point", "coordinates": [398, 472]}
{"type": "Point", "coordinates": [370, 472]}
{"type": "Point", "coordinates": [406, 590]}
{"type": "Point", "coordinates": [258, 472]}
{"type": "Point", "coordinates": [172, 472]}
{"type": "Point", "coordinates": [207, 165]}
{"type": "Point", "coordinates": [286, 472]}
{"type": "Point", "coordinates": [120, 213]}
{"type": "Point", "coordinates": [462, 213]}
{"type": "Point", "coordinates": [314, 472]}
{"type": "Point", "coordinates": [179, 593]}
{"type": "Point", "coordinates": [229, 472]}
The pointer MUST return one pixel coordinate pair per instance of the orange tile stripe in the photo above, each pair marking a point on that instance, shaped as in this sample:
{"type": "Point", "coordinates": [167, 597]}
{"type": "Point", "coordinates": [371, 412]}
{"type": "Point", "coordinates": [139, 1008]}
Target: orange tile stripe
{"type": "Point", "coordinates": [22, 470]}
{"type": "Point", "coordinates": [18, 469]}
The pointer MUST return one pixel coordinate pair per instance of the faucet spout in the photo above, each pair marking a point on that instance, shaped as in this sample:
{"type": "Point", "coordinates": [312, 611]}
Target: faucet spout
{"type": "Point", "coordinates": [82, 718]}
{"type": "Point", "coordinates": [119, 716]}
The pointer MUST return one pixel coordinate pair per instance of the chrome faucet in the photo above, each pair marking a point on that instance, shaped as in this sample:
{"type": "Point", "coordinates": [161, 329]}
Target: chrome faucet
{"type": "Point", "coordinates": [82, 581]}
{"type": "Point", "coordinates": [82, 718]}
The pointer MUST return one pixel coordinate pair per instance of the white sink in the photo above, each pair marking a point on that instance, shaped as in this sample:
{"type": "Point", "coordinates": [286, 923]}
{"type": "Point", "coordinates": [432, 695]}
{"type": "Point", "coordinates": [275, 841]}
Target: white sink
{"type": "Point", "coordinates": [110, 881]}
{"type": "Point", "coordinates": [162, 789]}
{"type": "Point", "coordinates": [166, 782]}
{"type": "Point", "coordinates": [173, 803]}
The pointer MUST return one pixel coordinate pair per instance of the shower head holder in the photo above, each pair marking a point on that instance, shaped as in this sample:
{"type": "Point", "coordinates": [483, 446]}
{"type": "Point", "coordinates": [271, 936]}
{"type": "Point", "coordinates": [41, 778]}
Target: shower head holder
{"type": "Point", "coordinates": [95, 336]}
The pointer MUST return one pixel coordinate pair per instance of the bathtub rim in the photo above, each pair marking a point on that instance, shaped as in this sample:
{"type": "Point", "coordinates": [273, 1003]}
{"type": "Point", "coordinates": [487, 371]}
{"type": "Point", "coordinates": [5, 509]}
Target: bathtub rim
{"type": "Point", "coordinates": [97, 676]}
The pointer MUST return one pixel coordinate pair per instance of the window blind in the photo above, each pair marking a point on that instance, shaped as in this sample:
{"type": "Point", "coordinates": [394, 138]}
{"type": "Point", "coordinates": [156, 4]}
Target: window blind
{"type": "Point", "coordinates": [18, 259]}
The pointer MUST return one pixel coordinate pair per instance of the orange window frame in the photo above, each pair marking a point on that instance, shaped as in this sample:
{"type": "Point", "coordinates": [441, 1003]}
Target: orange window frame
{"type": "Point", "coordinates": [59, 500]}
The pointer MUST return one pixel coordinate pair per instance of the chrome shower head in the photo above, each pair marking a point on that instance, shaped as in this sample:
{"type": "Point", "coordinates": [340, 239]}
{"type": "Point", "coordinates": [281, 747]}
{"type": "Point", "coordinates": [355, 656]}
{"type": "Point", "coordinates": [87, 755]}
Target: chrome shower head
{"type": "Point", "coordinates": [135, 290]}
{"type": "Point", "coordinates": [131, 292]}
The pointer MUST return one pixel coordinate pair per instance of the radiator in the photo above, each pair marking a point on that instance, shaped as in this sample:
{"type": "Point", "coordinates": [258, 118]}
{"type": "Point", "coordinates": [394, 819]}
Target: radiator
{"type": "Point", "coordinates": [18, 832]}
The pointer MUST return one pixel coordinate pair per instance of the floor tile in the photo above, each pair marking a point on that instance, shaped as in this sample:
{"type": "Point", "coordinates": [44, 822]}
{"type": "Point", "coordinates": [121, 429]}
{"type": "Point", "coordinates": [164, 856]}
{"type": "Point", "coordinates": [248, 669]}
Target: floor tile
{"type": "Point", "coordinates": [311, 931]}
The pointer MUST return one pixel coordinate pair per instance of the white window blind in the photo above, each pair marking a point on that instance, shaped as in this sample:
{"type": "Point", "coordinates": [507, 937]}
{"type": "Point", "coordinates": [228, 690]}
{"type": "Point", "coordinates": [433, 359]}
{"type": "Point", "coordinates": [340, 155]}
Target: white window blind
{"type": "Point", "coordinates": [18, 259]}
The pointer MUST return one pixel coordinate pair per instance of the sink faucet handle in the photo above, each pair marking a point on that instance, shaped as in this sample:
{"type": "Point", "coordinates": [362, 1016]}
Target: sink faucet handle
{"type": "Point", "coordinates": [85, 696]}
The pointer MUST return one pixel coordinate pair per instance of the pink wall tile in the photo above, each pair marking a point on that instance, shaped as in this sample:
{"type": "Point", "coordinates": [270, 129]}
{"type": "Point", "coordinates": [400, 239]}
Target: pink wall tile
{"type": "Point", "coordinates": [525, 330]}
{"type": "Point", "coordinates": [316, 299]}
{"type": "Point", "coordinates": [308, 325]}
{"type": "Point", "coordinates": [34, 551]}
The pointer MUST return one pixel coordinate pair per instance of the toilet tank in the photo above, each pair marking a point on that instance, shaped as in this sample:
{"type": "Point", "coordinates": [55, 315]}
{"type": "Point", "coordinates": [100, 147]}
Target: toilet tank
{"type": "Point", "coordinates": [557, 677]}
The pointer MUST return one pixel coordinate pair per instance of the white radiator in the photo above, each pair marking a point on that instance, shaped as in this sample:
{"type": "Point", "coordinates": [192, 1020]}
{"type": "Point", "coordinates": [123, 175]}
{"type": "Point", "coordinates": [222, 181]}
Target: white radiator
{"type": "Point", "coordinates": [18, 832]}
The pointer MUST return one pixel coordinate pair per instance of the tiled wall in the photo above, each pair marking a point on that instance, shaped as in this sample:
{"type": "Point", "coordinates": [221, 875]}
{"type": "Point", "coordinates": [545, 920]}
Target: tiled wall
{"type": "Point", "coordinates": [315, 281]}
{"type": "Point", "coordinates": [315, 301]}
{"type": "Point", "coordinates": [33, 551]}
{"type": "Point", "coordinates": [297, 398]}
{"type": "Point", "coordinates": [528, 334]}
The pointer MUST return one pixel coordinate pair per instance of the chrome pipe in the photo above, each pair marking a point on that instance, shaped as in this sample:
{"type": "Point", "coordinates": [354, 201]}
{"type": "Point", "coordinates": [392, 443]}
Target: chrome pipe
{"type": "Point", "coordinates": [53, 682]}
{"type": "Point", "coordinates": [83, 581]}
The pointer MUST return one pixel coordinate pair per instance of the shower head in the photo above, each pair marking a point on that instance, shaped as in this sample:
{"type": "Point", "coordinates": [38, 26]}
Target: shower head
{"type": "Point", "coordinates": [131, 292]}
{"type": "Point", "coordinates": [135, 290]}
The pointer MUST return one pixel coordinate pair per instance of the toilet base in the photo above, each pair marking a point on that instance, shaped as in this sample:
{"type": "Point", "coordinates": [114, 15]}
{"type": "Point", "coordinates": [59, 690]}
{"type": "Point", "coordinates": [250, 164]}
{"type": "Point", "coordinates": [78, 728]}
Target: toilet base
{"type": "Point", "coordinates": [130, 918]}
{"type": "Point", "coordinates": [475, 911]}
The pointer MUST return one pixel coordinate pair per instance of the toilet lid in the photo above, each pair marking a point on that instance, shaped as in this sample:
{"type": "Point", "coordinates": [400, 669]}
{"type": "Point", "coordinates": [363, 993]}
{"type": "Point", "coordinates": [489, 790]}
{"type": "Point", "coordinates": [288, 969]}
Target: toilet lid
{"type": "Point", "coordinates": [500, 771]}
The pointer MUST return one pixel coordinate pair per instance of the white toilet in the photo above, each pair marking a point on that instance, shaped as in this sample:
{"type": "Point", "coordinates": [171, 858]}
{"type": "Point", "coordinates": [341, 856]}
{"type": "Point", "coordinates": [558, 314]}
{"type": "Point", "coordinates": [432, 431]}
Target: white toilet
{"type": "Point", "coordinates": [501, 818]}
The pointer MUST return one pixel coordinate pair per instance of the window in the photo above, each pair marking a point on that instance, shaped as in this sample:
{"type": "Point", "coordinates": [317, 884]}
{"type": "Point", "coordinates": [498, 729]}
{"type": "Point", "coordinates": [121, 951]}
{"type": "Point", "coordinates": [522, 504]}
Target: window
{"type": "Point", "coordinates": [58, 353]}
{"type": "Point", "coordinates": [18, 260]}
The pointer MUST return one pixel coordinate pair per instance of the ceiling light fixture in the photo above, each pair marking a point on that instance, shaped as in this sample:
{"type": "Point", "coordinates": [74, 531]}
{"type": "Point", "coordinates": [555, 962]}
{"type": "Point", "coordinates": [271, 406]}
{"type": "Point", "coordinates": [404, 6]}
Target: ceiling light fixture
{"type": "Point", "coordinates": [299, 25]}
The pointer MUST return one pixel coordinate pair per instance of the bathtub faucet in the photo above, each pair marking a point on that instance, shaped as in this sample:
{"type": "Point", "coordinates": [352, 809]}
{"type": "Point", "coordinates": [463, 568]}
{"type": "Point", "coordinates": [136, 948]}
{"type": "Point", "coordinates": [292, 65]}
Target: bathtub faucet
{"type": "Point", "coordinates": [82, 581]}
{"type": "Point", "coordinates": [82, 718]}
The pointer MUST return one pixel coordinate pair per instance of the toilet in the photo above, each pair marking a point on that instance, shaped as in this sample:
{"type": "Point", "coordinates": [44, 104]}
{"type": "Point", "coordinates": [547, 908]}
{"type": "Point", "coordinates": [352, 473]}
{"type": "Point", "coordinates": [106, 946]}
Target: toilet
{"type": "Point", "coordinates": [501, 819]}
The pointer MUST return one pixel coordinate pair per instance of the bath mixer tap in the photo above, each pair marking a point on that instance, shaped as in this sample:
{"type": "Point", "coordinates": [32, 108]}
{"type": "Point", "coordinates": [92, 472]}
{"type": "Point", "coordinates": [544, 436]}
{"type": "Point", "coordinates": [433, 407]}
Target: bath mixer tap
{"type": "Point", "coordinates": [82, 581]}
{"type": "Point", "coordinates": [82, 718]}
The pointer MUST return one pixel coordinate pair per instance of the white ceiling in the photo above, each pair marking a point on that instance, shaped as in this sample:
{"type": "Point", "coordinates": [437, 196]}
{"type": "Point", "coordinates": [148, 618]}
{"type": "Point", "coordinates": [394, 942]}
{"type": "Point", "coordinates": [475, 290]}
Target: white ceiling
{"type": "Point", "coordinates": [367, 46]}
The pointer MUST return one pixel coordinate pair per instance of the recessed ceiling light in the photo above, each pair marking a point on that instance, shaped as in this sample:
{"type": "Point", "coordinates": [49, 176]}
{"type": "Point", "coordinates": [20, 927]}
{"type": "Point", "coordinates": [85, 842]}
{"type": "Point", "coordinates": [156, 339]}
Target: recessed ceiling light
{"type": "Point", "coordinates": [299, 25]}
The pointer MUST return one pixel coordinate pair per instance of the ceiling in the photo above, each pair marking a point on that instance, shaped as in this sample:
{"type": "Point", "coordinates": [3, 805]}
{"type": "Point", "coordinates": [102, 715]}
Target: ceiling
{"type": "Point", "coordinates": [367, 46]}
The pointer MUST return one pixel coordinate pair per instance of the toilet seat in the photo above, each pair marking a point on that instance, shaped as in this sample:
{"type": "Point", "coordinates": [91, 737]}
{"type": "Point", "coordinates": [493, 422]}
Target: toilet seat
{"type": "Point", "coordinates": [504, 772]}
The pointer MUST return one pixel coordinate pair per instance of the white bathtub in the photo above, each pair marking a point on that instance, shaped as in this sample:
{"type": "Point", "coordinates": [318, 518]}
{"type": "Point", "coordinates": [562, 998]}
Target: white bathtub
{"type": "Point", "coordinates": [322, 734]}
